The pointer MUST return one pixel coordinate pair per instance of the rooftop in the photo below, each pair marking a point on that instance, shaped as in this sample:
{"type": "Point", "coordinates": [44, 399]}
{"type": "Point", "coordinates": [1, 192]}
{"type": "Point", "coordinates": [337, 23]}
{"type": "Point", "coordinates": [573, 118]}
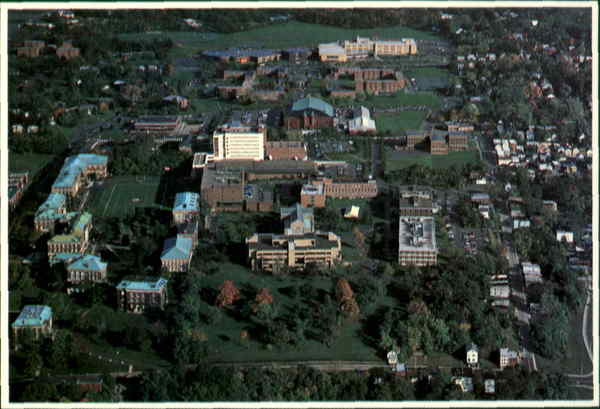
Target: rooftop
{"type": "Point", "coordinates": [177, 248]}
{"type": "Point", "coordinates": [49, 209]}
{"type": "Point", "coordinates": [33, 315]}
{"type": "Point", "coordinates": [313, 103]}
{"type": "Point", "coordinates": [417, 234]}
{"type": "Point", "coordinates": [74, 166]}
{"type": "Point", "coordinates": [143, 284]}
{"type": "Point", "coordinates": [88, 263]}
{"type": "Point", "coordinates": [186, 201]}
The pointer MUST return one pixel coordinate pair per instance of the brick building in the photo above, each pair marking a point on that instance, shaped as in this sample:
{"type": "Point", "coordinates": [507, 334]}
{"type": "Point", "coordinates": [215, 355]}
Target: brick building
{"type": "Point", "coordinates": [309, 113]}
{"type": "Point", "coordinates": [34, 318]}
{"type": "Point", "coordinates": [458, 141]}
{"type": "Point", "coordinates": [177, 254]}
{"type": "Point", "coordinates": [186, 207]}
{"type": "Point", "coordinates": [438, 145]}
{"type": "Point", "coordinates": [281, 150]}
{"type": "Point", "coordinates": [312, 195]}
{"type": "Point", "coordinates": [296, 55]}
{"type": "Point", "coordinates": [137, 294]}
{"type": "Point", "coordinates": [74, 242]}
{"type": "Point", "coordinates": [87, 269]}
{"type": "Point", "coordinates": [315, 193]}
{"type": "Point", "coordinates": [77, 170]}
{"type": "Point", "coordinates": [67, 51]}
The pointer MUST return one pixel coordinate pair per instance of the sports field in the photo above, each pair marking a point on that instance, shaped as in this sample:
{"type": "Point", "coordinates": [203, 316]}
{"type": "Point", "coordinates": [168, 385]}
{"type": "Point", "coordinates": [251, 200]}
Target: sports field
{"type": "Point", "coordinates": [400, 121]}
{"type": "Point", "coordinates": [401, 160]}
{"type": "Point", "coordinates": [119, 195]}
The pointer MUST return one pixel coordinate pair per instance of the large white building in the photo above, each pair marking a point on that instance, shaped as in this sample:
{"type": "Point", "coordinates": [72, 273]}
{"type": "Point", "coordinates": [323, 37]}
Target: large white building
{"type": "Point", "coordinates": [417, 244]}
{"type": "Point", "coordinates": [239, 143]}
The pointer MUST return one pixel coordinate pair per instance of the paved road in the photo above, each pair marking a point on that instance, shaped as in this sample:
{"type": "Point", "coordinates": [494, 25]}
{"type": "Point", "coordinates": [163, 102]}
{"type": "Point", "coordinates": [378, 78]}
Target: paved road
{"type": "Point", "coordinates": [586, 341]}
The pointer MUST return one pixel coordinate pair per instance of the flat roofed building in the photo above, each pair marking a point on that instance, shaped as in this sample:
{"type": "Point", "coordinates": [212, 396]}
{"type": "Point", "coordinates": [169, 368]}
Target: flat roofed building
{"type": "Point", "coordinates": [272, 252]}
{"type": "Point", "coordinates": [137, 294]}
{"type": "Point", "coordinates": [415, 206]}
{"type": "Point", "coordinates": [244, 144]}
{"type": "Point", "coordinates": [332, 52]}
{"type": "Point", "coordinates": [177, 254]}
{"type": "Point", "coordinates": [282, 150]}
{"type": "Point", "coordinates": [405, 46]}
{"type": "Point", "coordinates": [186, 206]}
{"type": "Point", "coordinates": [417, 243]}
{"type": "Point", "coordinates": [312, 195]}
{"type": "Point", "coordinates": [88, 268]}
{"type": "Point", "coordinates": [76, 169]}
{"type": "Point", "coordinates": [35, 318]}
{"type": "Point", "coordinates": [297, 220]}
{"type": "Point", "coordinates": [76, 241]}
{"type": "Point", "coordinates": [157, 124]}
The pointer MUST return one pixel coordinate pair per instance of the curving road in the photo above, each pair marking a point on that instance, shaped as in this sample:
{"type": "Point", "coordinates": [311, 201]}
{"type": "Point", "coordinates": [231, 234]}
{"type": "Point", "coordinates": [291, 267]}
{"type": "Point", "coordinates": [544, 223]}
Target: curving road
{"type": "Point", "coordinates": [586, 341]}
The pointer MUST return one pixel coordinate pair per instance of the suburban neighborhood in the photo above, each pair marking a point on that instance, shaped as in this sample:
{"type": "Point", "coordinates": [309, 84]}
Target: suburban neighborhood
{"type": "Point", "coordinates": [214, 205]}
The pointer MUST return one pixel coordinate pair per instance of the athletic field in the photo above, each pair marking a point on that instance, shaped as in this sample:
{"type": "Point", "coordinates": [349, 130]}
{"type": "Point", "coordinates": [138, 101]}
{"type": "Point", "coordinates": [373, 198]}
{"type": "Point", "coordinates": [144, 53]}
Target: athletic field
{"type": "Point", "coordinates": [119, 195]}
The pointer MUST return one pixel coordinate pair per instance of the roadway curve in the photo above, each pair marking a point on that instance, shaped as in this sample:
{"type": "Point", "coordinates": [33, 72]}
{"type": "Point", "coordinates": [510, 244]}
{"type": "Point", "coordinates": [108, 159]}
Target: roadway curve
{"type": "Point", "coordinates": [585, 336]}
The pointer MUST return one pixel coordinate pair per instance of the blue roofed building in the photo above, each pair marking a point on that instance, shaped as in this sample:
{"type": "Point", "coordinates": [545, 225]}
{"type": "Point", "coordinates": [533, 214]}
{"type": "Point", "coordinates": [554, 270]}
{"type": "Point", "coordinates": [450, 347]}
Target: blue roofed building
{"type": "Point", "coordinates": [36, 318]}
{"type": "Point", "coordinates": [139, 293]}
{"type": "Point", "coordinates": [53, 210]}
{"type": "Point", "coordinates": [177, 254]}
{"type": "Point", "coordinates": [88, 268]}
{"type": "Point", "coordinates": [297, 220]}
{"type": "Point", "coordinates": [77, 169]}
{"type": "Point", "coordinates": [186, 207]}
{"type": "Point", "coordinates": [76, 241]}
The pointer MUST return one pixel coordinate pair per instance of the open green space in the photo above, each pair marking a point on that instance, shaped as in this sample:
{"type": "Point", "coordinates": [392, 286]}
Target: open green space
{"type": "Point", "coordinates": [395, 123]}
{"type": "Point", "coordinates": [401, 160]}
{"type": "Point", "coordinates": [118, 196]}
{"type": "Point", "coordinates": [223, 337]}
{"type": "Point", "coordinates": [292, 34]}
{"type": "Point", "coordinates": [28, 162]}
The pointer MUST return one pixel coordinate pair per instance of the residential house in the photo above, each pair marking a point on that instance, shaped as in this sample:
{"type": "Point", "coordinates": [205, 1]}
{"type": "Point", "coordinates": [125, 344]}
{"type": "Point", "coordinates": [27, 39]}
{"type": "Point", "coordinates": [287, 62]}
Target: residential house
{"type": "Point", "coordinates": [472, 355]}
{"type": "Point", "coordinates": [508, 358]}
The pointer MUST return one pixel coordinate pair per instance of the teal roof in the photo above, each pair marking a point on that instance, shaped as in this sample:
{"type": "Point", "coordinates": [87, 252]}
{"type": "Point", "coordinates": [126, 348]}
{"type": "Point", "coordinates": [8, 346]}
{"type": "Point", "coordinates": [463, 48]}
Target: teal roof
{"type": "Point", "coordinates": [144, 284]}
{"type": "Point", "coordinates": [49, 209]}
{"type": "Point", "coordinates": [186, 201]}
{"type": "Point", "coordinates": [33, 315]}
{"type": "Point", "coordinates": [313, 103]}
{"type": "Point", "coordinates": [77, 230]}
{"type": "Point", "coordinates": [64, 258]}
{"type": "Point", "coordinates": [74, 165]}
{"type": "Point", "coordinates": [88, 263]}
{"type": "Point", "coordinates": [177, 248]}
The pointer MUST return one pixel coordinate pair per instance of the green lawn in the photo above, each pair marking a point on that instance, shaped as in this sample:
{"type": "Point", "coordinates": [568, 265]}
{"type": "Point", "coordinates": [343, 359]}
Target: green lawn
{"type": "Point", "coordinates": [428, 99]}
{"type": "Point", "coordinates": [291, 34]}
{"type": "Point", "coordinates": [120, 194]}
{"type": "Point", "coordinates": [395, 123]}
{"type": "Point", "coordinates": [397, 161]}
{"type": "Point", "coordinates": [32, 162]}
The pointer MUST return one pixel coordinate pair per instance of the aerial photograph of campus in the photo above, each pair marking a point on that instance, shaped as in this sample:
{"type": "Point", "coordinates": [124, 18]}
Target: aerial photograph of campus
{"type": "Point", "coordinates": [300, 205]}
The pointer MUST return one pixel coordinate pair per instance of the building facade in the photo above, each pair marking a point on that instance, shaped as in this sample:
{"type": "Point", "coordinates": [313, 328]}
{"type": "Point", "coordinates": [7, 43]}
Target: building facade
{"type": "Point", "coordinates": [74, 242]}
{"type": "Point", "coordinates": [245, 144]}
{"type": "Point", "coordinates": [309, 113]}
{"type": "Point", "coordinates": [177, 254]}
{"type": "Point", "coordinates": [137, 295]}
{"type": "Point", "coordinates": [186, 207]}
{"type": "Point", "coordinates": [87, 269]}
{"type": "Point", "coordinates": [77, 169]}
{"type": "Point", "coordinates": [34, 318]}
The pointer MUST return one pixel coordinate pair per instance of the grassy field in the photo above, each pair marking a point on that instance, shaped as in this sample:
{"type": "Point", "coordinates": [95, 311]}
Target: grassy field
{"type": "Point", "coordinates": [399, 160]}
{"type": "Point", "coordinates": [224, 336]}
{"type": "Point", "coordinates": [394, 123]}
{"type": "Point", "coordinates": [32, 162]}
{"type": "Point", "coordinates": [118, 195]}
{"type": "Point", "coordinates": [429, 77]}
{"type": "Point", "coordinates": [292, 34]}
{"type": "Point", "coordinates": [428, 99]}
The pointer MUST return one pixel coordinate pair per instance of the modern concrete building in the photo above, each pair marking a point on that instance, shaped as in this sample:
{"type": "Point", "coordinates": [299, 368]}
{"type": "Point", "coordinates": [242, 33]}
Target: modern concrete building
{"type": "Point", "coordinates": [244, 143]}
{"type": "Point", "coordinates": [332, 52]}
{"type": "Point", "coordinates": [297, 220]}
{"type": "Point", "coordinates": [272, 252]}
{"type": "Point", "coordinates": [416, 207]}
{"type": "Point", "coordinates": [34, 318]}
{"type": "Point", "coordinates": [417, 242]}
{"type": "Point", "coordinates": [137, 294]}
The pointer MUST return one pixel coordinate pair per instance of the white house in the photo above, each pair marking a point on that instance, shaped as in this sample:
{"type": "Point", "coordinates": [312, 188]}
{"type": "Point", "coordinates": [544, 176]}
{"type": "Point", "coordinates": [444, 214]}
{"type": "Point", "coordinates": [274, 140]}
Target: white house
{"type": "Point", "coordinates": [564, 235]}
{"type": "Point", "coordinates": [472, 354]}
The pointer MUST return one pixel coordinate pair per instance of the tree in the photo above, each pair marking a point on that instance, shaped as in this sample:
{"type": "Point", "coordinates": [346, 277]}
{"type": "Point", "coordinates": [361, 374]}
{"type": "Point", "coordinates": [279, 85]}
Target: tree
{"type": "Point", "coordinates": [228, 294]}
{"type": "Point", "coordinates": [346, 300]}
